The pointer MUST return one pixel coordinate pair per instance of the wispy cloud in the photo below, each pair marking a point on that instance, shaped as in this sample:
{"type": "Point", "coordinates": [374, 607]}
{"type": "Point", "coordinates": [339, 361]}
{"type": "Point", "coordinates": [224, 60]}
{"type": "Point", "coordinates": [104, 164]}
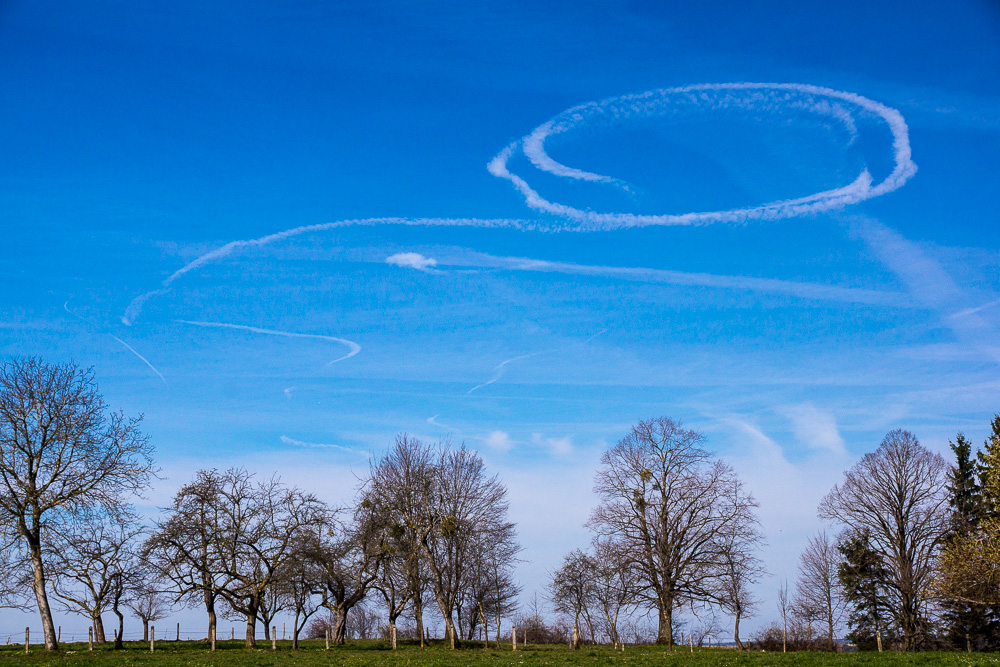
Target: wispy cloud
{"type": "Point", "coordinates": [816, 428]}
{"type": "Point", "coordinates": [559, 446]}
{"type": "Point", "coordinates": [353, 348]}
{"type": "Point", "coordinates": [745, 95]}
{"type": "Point", "coordinates": [319, 445]}
{"type": "Point", "coordinates": [930, 285]}
{"type": "Point", "coordinates": [412, 260]}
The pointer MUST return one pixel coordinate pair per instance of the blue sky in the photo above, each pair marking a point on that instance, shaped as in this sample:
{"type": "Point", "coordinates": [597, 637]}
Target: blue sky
{"type": "Point", "coordinates": [138, 138]}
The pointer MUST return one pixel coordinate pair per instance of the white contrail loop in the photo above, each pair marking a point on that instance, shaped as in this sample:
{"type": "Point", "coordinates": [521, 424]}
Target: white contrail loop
{"type": "Point", "coordinates": [816, 99]}
{"type": "Point", "coordinates": [353, 348]}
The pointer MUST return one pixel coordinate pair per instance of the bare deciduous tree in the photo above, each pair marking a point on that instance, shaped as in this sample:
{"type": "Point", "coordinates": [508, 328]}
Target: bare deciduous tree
{"type": "Point", "coordinates": [62, 453]}
{"type": "Point", "coordinates": [92, 562]}
{"type": "Point", "coordinates": [784, 608]}
{"type": "Point", "coordinates": [669, 502]}
{"type": "Point", "coordinates": [261, 525]}
{"type": "Point", "coordinates": [818, 588]}
{"type": "Point", "coordinates": [615, 584]}
{"type": "Point", "coordinates": [451, 506]}
{"type": "Point", "coordinates": [348, 564]}
{"type": "Point", "coordinates": [739, 568]}
{"type": "Point", "coordinates": [899, 494]}
{"type": "Point", "coordinates": [182, 547]}
{"type": "Point", "coordinates": [395, 486]}
{"type": "Point", "coordinates": [572, 590]}
{"type": "Point", "coordinates": [149, 602]}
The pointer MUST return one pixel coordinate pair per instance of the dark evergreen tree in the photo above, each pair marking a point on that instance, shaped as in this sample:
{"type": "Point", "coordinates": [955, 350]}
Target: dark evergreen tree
{"type": "Point", "coordinates": [970, 626]}
{"type": "Point", "coordinates": [988, 471]}
{"type": "Point", "coordinates": [863, 577]}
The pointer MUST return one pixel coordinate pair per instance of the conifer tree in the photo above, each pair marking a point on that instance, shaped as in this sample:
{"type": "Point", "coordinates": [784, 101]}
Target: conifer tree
{"type": "Point", "coordinates": [863, 579]}
{"type": "Point", "coordinates": [988, 470]}
{"type": "Point", "coordinates": [969, 624]}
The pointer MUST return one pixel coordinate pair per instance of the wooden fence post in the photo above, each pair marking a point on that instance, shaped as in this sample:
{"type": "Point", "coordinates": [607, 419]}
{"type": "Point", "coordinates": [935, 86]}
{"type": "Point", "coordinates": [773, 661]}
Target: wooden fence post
{"type": "Point", "coordinates": [59, 636]}
{"type": "Point", "coordinates": [152, 638]}
{"type": "Point", "coordinates": [274, 637]}
{"type": "Point", "coordinates": [327, 635]}
{"type": "Point", "coordinates": [178, 631]}
{"type": "Point", "coordinates": [513, 636]}
{"type": "Point", "coordinates": [691, 638]}
{"type": "Point", "coordinates": [90, 638]}
{"type": "Point", "coordinates": [27, 637]}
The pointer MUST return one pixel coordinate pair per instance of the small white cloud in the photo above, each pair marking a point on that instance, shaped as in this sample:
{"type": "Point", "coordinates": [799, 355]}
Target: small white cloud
{"type": "Point", "coordinates": [288, 392]}
{"type": "Point", "coordinates": [412, 260]}
{"type": "Point", "coordinates": [558, 446]}
{"type": "Point", "coordinates": [500, 441]}
{"type": "Point", "coordinates": [814, 427]}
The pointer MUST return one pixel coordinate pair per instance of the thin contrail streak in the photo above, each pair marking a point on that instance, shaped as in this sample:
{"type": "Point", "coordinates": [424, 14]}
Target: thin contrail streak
{"type": "Point", "coordinates": [803, 290]}
{"type": "Point", "coordinates": [756, 96]}
{"type": "Point", "coordinates": [127, 346]}
{"type": "Point", "coordinates": [500, 368]}
{"type": "Point", "coordinates": [353, 348]}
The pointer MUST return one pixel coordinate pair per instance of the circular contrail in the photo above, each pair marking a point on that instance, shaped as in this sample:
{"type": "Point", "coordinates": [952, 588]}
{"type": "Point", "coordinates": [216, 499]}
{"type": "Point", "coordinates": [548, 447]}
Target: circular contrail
{"type": "Point", "coordinates": [836, 104]}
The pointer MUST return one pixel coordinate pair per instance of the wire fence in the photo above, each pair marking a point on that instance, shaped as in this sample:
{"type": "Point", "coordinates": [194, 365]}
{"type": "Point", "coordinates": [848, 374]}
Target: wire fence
{"type": "Point", "coordinates": [163, 632]}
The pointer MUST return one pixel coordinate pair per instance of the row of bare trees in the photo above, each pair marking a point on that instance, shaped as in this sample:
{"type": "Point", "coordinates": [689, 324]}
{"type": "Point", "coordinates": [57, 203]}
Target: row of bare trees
{"type": "Point", "coordinates": [428, 523]}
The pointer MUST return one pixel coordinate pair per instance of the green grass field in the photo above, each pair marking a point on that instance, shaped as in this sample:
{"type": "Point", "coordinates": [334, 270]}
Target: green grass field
{"type": "Point", "coordinates": [377, 654]}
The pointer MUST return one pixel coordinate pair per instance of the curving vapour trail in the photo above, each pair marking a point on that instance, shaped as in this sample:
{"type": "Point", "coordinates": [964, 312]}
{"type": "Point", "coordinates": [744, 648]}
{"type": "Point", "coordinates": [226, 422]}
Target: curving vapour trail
{"type": "Point", "coordinates": [750, 96]}
{"type": "Point", "coordinates": [353, 348]}
{"type": "Point", "coordinates": [127, 346]}
{"type": "Point", "coordinates": [499, 369]}
{"type": "Point", "coordinates": [135, 306]}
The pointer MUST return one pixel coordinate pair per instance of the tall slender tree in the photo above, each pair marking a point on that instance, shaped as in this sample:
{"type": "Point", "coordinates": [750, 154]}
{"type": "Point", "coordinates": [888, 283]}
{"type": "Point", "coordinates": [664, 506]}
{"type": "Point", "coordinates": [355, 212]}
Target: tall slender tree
{"type": "Point", "coordinates": [63, 454]}
{"type": "Point", "coordinates": [968, 623]}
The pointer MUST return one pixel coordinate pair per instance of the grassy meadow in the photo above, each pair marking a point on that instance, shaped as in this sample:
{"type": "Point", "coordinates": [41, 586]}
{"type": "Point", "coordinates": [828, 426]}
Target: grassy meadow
{"type": "Point", "coordinates": [378, 654]}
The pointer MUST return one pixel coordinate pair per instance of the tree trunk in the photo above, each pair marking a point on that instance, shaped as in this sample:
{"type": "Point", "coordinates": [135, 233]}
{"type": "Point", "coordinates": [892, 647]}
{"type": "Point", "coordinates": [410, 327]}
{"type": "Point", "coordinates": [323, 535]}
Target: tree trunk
{"type": "Point", "coordinates": [267, 629]}
{"type": "Point", "coordinates": [450, 629]}
{"type": "Point", "coordinates": [251, 639]}
{"type": "Point", "coordinates": [145, 630]}
{"type": "Point", "coordinates": [295, 632]}
{"type": "Point", "coordinates": [99, 635]}
{"type": "Point", "coordinates": [339, 630]}
{"type": "Point", "coordinates": [121, 628]}
{"type": "Point", "coordinates": [392, 633]}
{"type": "Point", "coordinates": [736, 630]}
{"type": "Point", "coordinates": [38, 585]}
{"type": "Point", "coordinates": [665, 633]}
{"type": "Point", "coordinates": [418, 614]}
{"type": "Point", "coordinates": [210, 608]}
